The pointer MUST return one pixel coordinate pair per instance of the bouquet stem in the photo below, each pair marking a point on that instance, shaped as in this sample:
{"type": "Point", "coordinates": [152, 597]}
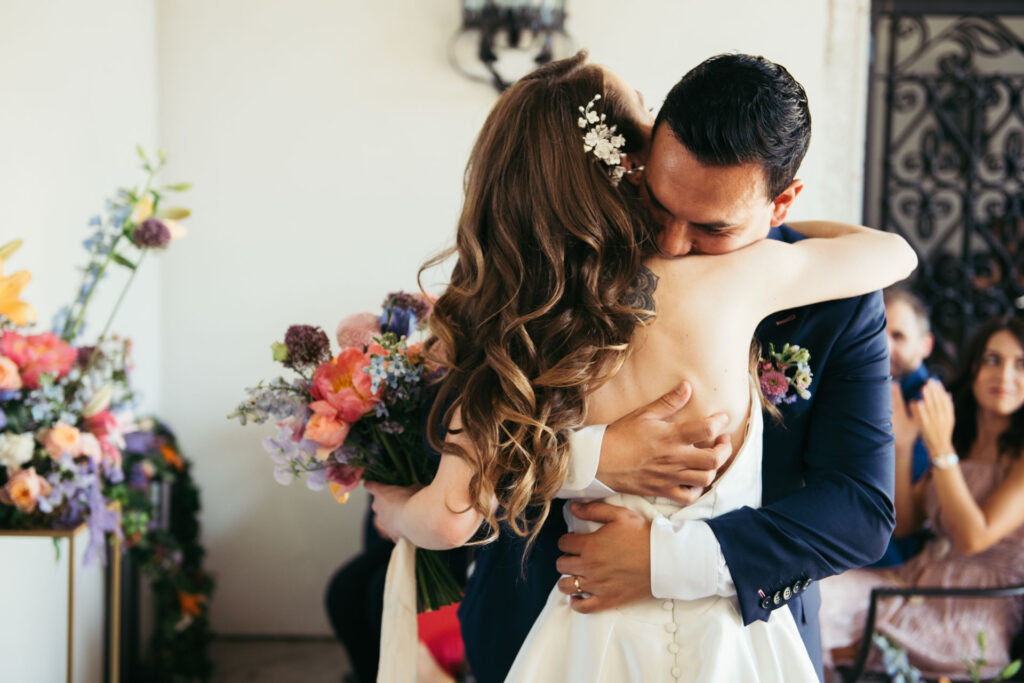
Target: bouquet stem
{"type": "Point", "coordinates": [435, 585]}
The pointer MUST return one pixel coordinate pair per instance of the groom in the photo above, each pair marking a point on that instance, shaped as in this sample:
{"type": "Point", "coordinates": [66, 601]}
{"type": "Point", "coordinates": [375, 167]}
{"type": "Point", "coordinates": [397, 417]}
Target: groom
{"type": "Point", "coordinates": [720, 175]}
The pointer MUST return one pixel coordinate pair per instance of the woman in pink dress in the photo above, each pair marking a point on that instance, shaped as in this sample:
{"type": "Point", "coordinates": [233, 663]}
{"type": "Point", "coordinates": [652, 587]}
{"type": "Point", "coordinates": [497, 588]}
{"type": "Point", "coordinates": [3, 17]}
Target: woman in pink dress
{"type": "Point", "coordinates": [973, 498]}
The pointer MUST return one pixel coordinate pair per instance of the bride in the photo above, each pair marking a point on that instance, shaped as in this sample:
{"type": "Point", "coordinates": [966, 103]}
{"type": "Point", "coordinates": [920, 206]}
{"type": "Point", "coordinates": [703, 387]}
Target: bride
{"type": "Point", "coordinates": [560, 313]}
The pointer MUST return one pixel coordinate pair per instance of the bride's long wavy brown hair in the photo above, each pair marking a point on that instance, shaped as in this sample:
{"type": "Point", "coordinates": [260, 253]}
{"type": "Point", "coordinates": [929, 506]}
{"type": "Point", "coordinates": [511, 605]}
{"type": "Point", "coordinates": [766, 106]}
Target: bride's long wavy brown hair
{"type": "Point", "coordinates": [534, 318]}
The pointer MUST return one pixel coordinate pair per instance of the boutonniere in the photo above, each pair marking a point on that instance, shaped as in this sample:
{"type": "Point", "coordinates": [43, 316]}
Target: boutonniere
{"type": "Point", "coordinates": [785, 375]}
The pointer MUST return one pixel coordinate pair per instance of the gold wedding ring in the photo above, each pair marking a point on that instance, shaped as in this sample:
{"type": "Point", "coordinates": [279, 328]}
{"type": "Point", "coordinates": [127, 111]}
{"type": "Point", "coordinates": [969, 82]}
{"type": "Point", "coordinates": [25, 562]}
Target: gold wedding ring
{"type": "Point", "coordinates": [576, 584]}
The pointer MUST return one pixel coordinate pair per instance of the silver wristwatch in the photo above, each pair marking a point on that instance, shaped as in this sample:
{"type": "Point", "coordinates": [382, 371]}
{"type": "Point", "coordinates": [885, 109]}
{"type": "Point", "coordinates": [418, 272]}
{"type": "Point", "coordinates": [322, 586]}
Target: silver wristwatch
{"type": "Point", "coordinates": [945, 461]}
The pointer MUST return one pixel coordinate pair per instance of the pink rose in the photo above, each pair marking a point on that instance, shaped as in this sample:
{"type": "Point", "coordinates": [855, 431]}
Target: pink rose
{"type": "Point", "coordinates": [89, 446]}
{"type": "Point", "coordinates": [38, 354]}
{"type": "Point", "coordinates": [9, 377]}
{"type": "Point", "coordinates": [24, 489]}
{"type": "Point", "coordinates": [358, 330]}
{"type": "Point", "coordinates": [103, 424]}
{"type": "Point", "coordinates": [110, 455]}
{"type": "Point", "coordinates": [107, 430]}
{"type": "Point", "coordinates": [61, 439]}
{"type": "Point", "coordinates": [325, 428]}
{"type": "Point", "coordinates": [343, 479]}
{"type": "Point", "coordinates": [344, 384]}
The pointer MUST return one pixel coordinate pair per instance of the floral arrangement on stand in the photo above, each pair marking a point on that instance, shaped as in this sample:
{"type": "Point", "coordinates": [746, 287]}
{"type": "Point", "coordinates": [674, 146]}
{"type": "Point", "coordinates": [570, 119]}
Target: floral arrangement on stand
{"type": "Point", "coordinates": [357, 415]}
{"type": "Point", "coordinates": [67, 420]}
{"type": "Point", "coordinates": [169, 555]}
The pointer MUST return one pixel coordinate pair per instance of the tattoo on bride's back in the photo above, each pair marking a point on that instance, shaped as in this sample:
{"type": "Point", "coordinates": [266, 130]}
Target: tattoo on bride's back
{"type": "Point", "coordinates": [641, 292]}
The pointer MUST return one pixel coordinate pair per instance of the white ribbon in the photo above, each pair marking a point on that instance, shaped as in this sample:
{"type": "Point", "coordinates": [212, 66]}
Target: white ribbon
{"type": "Point", "coordinates": [399, 641]}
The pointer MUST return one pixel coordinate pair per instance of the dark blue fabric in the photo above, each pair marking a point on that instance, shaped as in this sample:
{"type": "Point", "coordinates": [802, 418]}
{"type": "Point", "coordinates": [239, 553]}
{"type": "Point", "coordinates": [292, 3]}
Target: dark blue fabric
{"type": "Point", "coordinates": [838, 443]}
{"type": "Point", "coordinates": [504, 595]}
{"type": "Point", "coordinates": [828, 466]}
{"type": "Point", "coordinates": [902, 549]}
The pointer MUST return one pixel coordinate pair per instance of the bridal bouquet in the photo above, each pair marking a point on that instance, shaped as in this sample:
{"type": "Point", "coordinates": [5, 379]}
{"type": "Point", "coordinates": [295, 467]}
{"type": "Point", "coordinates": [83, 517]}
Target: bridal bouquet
{"type": "Point", "coordinates": [65, 406]}
{"type": "Point", "coordinates": [355, 415]}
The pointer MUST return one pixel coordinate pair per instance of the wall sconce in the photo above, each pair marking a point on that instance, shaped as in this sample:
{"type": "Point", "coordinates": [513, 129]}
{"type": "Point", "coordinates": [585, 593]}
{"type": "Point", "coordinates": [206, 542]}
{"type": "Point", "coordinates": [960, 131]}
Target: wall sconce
{"type": "Point", "coordinates": [501, 37]}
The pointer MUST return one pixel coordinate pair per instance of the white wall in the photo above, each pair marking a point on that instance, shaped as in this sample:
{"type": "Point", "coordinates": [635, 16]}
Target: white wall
{"type": "Point", "coordinates": [326, 140]}
{"type": "Point", "coordinates": [78, 92]}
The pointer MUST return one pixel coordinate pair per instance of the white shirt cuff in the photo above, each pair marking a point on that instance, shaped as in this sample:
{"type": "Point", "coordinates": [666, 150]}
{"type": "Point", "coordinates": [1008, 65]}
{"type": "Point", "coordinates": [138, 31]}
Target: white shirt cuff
{"type": "Point", "coordinates": [584, 456]}
{"type": "Point", "coordinates": [687, 561]}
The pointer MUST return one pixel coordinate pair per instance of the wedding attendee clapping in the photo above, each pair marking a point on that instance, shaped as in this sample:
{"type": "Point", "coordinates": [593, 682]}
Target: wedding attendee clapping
{"type": "Point", "coordinates": [973, 497]}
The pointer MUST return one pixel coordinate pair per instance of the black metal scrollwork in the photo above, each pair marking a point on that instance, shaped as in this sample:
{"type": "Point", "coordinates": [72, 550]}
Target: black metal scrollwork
{"type": "Point", "coordinates": [946, 154]}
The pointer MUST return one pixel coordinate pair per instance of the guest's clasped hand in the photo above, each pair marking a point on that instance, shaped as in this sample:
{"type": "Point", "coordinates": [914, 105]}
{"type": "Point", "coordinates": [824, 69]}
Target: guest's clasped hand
{"type": "Point", "coordinates": [650, 452]}
{"type": "Point", "coordinates": [935, 415]}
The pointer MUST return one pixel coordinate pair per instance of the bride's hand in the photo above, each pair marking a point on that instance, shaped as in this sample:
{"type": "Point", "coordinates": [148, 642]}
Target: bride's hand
{"type": "Point", "coordinates": [388, 502]}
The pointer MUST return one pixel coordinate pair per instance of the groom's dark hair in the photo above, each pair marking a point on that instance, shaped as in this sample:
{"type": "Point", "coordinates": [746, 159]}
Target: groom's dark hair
{"type": "Point", "coordinates": [735, 109]}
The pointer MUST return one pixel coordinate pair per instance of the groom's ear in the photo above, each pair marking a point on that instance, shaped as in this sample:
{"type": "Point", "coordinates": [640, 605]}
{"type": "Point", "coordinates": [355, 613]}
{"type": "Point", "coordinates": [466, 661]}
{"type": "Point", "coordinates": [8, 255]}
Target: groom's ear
{"type": "Point", "coordinates": [634, 169]}
{"type": "Point", "coordinates": [780, 207]}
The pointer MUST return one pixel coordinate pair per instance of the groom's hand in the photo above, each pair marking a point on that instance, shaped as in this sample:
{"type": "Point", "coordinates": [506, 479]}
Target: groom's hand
{"type": "Point", "coordinates": [612, 564]}
{"type": "Point", "coordinates": [649, 452]}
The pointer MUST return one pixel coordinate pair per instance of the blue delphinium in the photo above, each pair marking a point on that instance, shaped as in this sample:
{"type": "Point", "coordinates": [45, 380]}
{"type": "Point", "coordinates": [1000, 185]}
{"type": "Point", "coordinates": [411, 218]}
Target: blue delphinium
{"type": "Point", "coordinates": [403, 313]}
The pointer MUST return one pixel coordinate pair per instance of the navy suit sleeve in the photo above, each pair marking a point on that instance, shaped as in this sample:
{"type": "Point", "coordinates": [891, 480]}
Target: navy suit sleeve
{"type": "Point", "coordinates": [843, 516]}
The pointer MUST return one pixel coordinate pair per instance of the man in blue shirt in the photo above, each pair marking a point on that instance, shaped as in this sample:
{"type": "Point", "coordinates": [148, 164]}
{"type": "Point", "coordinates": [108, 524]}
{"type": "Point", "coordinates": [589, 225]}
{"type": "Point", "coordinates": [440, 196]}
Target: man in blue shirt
{"type": "Point", "coordinates": [910, 342]}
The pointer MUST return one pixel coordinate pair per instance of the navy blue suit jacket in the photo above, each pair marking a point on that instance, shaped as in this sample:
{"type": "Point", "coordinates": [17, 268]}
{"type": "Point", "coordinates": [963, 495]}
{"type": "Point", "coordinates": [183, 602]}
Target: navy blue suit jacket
{"type": "Point", "coordinates": [827, 493]}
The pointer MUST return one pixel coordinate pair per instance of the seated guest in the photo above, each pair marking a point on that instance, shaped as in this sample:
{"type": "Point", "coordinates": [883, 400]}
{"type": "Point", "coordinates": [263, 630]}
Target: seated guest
{"type": "Point", "coordinates": [909, 334]}
{"type": "Point", "coordinates": [973, 496]}
{"type": "Point", "coordinates": [354, 602]}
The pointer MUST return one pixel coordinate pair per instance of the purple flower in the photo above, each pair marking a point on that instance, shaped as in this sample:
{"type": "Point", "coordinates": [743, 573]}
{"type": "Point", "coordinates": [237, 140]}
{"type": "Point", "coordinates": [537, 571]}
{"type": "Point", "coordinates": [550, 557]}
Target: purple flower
{"type": "Point", "coordinates": [85, 355]}
{"type": "Point", "coordinates": [307, 346]}
{"type": "Point", "coordinates": [151, 233]}
{"type": "Point", "coordinates": [416, 302]}
{"type": "Point", "coordinates": [137, 478]}
{"type": "Point", "coordinates": [316, 480]}
{"type": "Point", "coordinates": [391, 427]}
{"type": "Point", "coordinates": [284, 475]}
{"type": "Point", "coordinates": [101, 521]}
{"type": "Point", "coordinates": [115, 475]}
{"type": "Point", "coordinates": [344, 454]}
{"type": "Point", "coordinates": [399, 320]}
{"type": "Point", "coordinates": [139, 442]}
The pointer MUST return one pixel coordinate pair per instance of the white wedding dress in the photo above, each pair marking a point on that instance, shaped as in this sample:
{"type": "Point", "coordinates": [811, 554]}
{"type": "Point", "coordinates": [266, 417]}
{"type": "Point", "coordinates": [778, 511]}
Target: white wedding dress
{"type": "Point", "coordinates": [692, 641]}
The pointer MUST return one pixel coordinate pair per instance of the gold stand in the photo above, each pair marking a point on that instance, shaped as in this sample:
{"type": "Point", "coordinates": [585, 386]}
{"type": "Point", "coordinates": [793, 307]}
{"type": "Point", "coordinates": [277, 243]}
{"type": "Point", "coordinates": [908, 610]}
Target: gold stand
{"type": "Point", "coordinates": [113, 598]}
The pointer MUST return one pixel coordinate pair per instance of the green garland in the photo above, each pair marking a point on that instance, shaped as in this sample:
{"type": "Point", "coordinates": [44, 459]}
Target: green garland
{"type": "Point", "coordinates": [171, 558]}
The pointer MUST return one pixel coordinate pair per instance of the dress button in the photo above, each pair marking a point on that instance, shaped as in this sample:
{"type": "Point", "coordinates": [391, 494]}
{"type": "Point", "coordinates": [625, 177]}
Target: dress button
{"type": "Point", "coordinates": [676, 672]}
{"type": "Point", "coordinates": [667, 604]}
{"type": "Point", "coordinates": [766, 603]}
{"type": "Point", "coordinates": [807, 584]}
{"type": "Point", "coordinates": [787, 593]}
{"type": "Point", "coordinates": [673, 648]}
{"type": "Point", "coordinates": [797, 587]}
{"type": "Point", "coordinates": [777, 597]}
{"type": "Point", "coordinates": [671, 628]}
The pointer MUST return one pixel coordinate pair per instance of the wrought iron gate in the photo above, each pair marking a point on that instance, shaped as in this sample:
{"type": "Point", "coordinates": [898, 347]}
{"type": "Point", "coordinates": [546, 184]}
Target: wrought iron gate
{"type": "Point", "coordinates": [945, 156]}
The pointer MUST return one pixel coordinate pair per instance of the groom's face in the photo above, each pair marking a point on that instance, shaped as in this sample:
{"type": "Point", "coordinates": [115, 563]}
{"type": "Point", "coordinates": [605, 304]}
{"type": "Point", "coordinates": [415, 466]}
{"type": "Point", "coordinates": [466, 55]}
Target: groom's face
{"type": "Point", "coordinates": [708, 209]}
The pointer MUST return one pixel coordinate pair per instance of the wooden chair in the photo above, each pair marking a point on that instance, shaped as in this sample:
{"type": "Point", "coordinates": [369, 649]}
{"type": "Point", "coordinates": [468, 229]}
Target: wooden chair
{"type": "Point", "coordinates": [855, 672]}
